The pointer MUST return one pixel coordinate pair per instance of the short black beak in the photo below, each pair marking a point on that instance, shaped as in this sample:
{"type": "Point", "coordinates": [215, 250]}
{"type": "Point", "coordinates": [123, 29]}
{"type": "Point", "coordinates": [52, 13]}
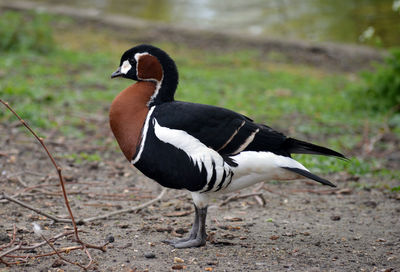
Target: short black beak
{"type": "Point", "coordinates": [117, 73]}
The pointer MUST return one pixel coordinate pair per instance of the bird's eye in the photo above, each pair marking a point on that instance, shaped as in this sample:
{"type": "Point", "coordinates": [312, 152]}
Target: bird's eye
{"type": "Point", "coordinates": [125, 67]}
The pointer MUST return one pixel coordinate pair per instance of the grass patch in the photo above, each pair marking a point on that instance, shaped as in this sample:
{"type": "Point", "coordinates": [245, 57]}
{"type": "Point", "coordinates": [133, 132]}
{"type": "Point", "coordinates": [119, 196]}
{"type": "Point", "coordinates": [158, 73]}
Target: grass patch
{"type": "Point", "coordinates": [29, 31]}
{"type": "Point", "coordinates": [83, 157]}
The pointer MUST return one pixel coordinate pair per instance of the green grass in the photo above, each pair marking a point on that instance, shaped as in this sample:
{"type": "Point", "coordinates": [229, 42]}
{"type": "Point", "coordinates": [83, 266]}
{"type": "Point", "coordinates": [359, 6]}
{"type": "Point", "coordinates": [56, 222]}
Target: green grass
{"type": "Point", "coordinates": [83, 157]}
{"type": "Point", "coordinates": [55, 89]}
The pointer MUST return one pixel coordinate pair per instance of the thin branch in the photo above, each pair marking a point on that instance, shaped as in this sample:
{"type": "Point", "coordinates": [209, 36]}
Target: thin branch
{"type": "Point", "coordinates": [11, 250]}
{"type": "Point", "coordinates": [259, 198]}
{"type": "Point", "coordinates": [20, 247]}
{"type": "Point", "coordinates": [62, 250]}
{"type": "Point", "coordinates": [62, 184]}
{"type": "Point", "coordinates": [61, 257]}
{"type": "Point", "coordinates": [53, 239]}
{"type": "Point", "coordinates": [59, 170]}
{"type": "Point", "coordinates": [25, 205]}
{"type": "Point", "coordinates": [237, 196]}
{"type": "Point", "coordinates": [148, 203]}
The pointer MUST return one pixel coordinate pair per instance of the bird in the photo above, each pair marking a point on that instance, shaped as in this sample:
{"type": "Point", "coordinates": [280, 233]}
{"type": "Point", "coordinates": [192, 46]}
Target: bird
{"type": "Point", "coordinates": [204, 149]}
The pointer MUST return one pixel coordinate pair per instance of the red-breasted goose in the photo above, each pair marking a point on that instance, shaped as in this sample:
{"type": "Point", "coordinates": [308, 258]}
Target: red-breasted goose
{"type": "Point", "coordinates": [204, 149]}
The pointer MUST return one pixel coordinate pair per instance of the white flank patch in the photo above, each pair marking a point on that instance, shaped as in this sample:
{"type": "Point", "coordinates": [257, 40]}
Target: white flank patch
{"type": "Point", "coordinates": [144, 134]}
{"type": "Point", "coordinates": [196, 150]}
{"type": "Point", "coordinates": [247, 142]}
{"type": "Point", "coordinates": [125, 67]}
{"type": "Point", "coordinates": [254, 167]}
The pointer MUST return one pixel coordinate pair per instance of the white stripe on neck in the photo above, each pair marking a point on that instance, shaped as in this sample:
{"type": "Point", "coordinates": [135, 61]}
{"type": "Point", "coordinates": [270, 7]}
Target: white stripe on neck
{"type": "Point", "coordinates": [144, 134]}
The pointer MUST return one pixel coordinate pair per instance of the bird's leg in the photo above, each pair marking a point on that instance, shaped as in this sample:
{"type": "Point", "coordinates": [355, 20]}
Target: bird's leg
{"type": "Point", "coordinates": [192, 233]}
{"type": "Point", "coordinates": [200, 238]}
{"type": "Point", "coordinates": [197, 235]}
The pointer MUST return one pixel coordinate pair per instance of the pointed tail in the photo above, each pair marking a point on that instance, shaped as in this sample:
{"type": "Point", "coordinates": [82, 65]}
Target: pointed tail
{"type": "Point", "coordinates": [310, 175]}
{"type": "Point", "coordinates": [300, 147]}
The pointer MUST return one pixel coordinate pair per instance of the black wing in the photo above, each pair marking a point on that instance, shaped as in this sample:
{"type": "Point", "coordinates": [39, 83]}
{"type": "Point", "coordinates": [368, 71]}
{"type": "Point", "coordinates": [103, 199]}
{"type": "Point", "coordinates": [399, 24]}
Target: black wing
{"type": "Point", "coordinates": [221, 129]}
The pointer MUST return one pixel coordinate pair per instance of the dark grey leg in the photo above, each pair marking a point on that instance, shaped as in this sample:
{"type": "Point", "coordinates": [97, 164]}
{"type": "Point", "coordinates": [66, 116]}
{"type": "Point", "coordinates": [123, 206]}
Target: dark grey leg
{"type": "Point", "coordinates": [200, 239]}
{"type": "Point", "coordinates": [192, 233]}
{"type": "Point", "coordinates": [197, 236]}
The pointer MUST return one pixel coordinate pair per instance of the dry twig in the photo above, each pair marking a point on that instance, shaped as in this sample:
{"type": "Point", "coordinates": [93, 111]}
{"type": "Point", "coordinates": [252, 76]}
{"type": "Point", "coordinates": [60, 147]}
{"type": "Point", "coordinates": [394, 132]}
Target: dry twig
{"type": "Point", "coordinates": [29, 207]}
{"type": "Point", "coordinates": [61, 179]}
{"type": "Point", "coordinates": [238, 196]}
{"type": "Point", "coordinates": [132, 209]}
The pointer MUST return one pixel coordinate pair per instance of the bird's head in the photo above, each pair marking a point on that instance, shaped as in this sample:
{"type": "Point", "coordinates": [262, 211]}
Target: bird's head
{"type": "Point", "coordinates": [141, 63]}
{"type": "Point", "coordinates": [149, 63]}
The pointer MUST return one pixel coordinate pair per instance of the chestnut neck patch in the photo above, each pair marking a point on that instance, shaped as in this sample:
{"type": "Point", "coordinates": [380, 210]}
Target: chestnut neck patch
{"type": "Point", "coordinates": [149, 68]}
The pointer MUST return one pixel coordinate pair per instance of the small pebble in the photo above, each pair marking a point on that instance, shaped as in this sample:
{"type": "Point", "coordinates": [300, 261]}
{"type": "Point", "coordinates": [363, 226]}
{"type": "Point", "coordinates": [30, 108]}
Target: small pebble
{"type": "Point", "coordinates": [110, 239]}
{"type": "Point", "coordinates": [178, 267]}
{"type": "Point", "coordinates": [150, 255]}
{"type": "Point", "coordinates": [370, 204]}
{"type": "Point", "coordinates": [335, 217]}
{"type": "Point", "coordinates": [57, 263]}
{"type": "Point", "coordinates": [180, 231]}
{"type": "Point", "coordinates": [274, 237]}
{"type": "Point", "coordinates": [178, 260]}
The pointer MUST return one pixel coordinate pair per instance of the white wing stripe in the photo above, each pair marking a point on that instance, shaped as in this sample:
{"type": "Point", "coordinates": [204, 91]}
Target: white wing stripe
{"type": "Point", "coordinates": [247, 142]}
{"type": "Point", "coordinates": [233, 135]}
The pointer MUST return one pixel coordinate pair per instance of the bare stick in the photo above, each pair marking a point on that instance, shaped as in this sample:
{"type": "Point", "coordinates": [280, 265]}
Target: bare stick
{"type": "Point", "coordinates": [86, 220]}
{"type": "Point", "coordinates": [259, 198]}
{"type": "Point", "coordinates": [61, 257]}
{"type": "Point", "coordinates": [25, 205]}
{"type": "Point", "coordinates": [237, 196]}
{"type": "Point", "coordinates": [11, 250]}
{"type": "Point", "coordinates": [20, 247]}
{"type": "Point", "coordinates": [52, 161]}
{"type": "Point", "coordinates": [61, 250]}
{"type": "Point", "coordinates": [61, 179]}
{"type": "Point", "coordinates": [148, 203]}
{"type": "Point", "coordinates": [53, 239]}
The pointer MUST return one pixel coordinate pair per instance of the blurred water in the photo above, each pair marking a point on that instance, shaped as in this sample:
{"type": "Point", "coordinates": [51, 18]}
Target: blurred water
{"type": "Point", "coordinates": [312, 20]}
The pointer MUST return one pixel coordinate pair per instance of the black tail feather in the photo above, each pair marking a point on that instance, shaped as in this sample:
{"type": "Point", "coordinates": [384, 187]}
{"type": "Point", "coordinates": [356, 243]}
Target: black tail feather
{"type": "Point", "coordinates": [300, 147]}
{"type": "Point", "coordinates": [309, 175]}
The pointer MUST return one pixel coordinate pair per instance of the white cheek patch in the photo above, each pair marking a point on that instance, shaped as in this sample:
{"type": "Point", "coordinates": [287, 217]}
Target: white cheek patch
{"type": "Point", "coordinates": [125, 67]}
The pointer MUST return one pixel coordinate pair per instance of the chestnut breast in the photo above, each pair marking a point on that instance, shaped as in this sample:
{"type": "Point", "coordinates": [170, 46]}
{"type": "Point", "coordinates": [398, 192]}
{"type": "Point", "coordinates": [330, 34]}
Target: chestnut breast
{"type": "Point", "coordinates": [127, 115]}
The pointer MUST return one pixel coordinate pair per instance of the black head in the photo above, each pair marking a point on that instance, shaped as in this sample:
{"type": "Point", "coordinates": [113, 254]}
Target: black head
{"type": "Point", "coordinates": [144, 62]}
{"type": "Point", "coordinates": [149, 63]}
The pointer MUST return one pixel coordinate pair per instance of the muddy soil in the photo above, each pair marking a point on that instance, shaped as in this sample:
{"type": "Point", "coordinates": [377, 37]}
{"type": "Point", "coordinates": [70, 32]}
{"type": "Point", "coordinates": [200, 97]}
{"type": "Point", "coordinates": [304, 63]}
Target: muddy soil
{"type": "Point", "coordinates": [302, 226]}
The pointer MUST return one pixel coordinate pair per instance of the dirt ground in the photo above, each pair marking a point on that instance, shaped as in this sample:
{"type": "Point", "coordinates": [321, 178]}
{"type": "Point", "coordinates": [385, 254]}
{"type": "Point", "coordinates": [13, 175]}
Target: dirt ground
{"type": "Point", "coordinates": [302, 227]}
